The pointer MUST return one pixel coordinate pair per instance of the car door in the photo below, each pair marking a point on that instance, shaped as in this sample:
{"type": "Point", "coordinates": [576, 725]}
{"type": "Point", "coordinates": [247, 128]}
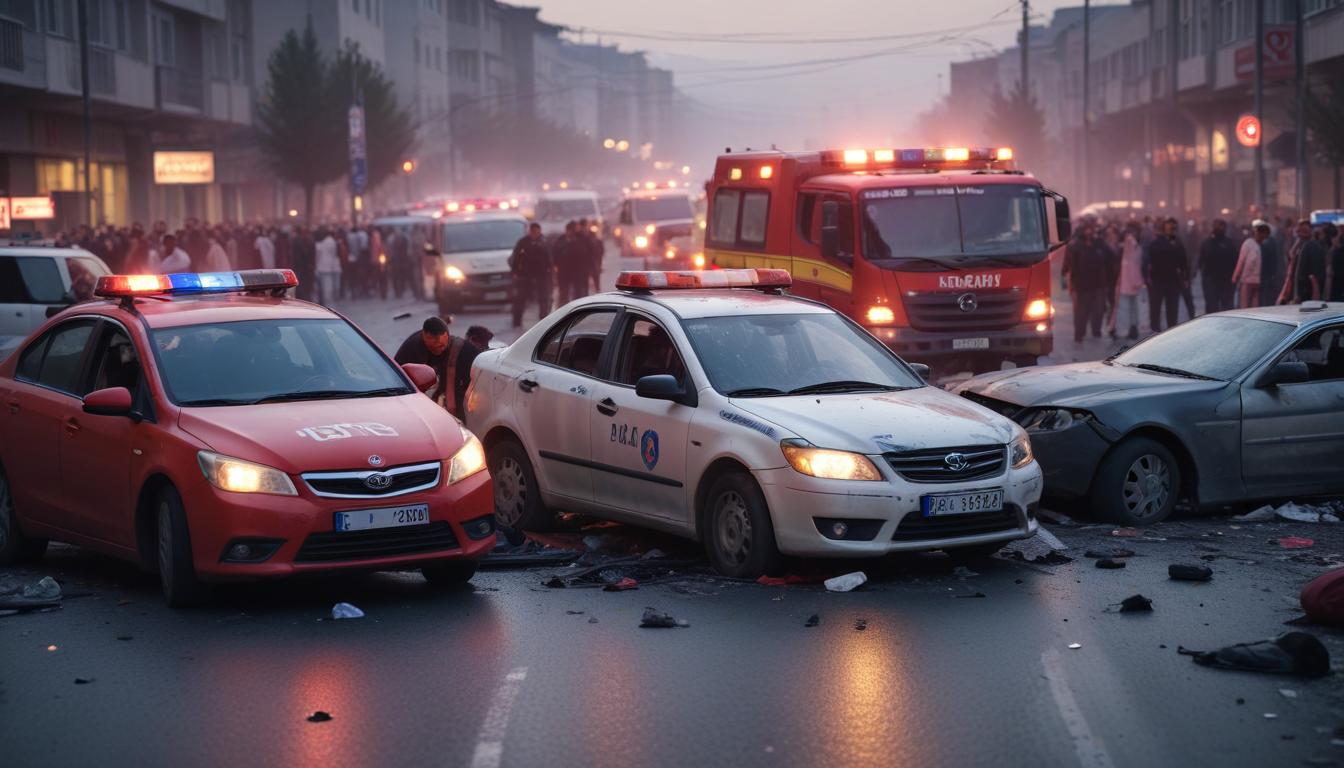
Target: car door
{"type": "Point", "coordinates": [45, 284]}
{"type": "Point", "coordinates": [14, 299]}
{"type": "Point", "coordinates": [1293, 434]}
{"type": "Point", "coordinates": [35, 410]}
{"type": "Point", "coordinates": [553, 401]}
{"type": "Point", "coordinates": [97, 451]}
{"type": "Point", "coordinates": [639, 444]}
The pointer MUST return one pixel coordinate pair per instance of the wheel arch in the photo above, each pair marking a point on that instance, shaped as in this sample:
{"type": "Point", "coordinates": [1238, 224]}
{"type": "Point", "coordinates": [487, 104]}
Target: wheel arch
{"type": "Point", "coordinates": [147, 520]}
{"type": "Point", "coordinates": [716, 469]}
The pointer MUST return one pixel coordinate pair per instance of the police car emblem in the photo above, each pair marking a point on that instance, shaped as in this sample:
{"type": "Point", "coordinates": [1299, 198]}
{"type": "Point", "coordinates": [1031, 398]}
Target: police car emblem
{"type": "Point", "coordinates": [375, 460]}
{"type": "Point", "coordinates": [967, 302]}
{"type": "Point", "coordinates": [378, 481]}
{"type": "Point", "coordinates": [648, 449]}
{"type": "Point", "coordinates": [955, 462]}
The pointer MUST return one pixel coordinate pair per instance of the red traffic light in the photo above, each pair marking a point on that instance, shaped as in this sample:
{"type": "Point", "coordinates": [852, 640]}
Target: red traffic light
{"type": "Point", "coordinates": [1248, 131]}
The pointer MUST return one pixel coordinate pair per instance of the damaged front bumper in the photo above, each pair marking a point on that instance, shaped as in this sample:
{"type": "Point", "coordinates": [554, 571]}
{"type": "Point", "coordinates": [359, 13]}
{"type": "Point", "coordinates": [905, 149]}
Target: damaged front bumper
{"type": "Point", "coordinates": [1069, 457]}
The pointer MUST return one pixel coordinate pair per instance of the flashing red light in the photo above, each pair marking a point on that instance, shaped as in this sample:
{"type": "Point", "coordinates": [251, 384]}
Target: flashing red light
{"type": "Point", "coordinates": [726, 278]}
{"type": "Point", "coordinates": [120, 286]}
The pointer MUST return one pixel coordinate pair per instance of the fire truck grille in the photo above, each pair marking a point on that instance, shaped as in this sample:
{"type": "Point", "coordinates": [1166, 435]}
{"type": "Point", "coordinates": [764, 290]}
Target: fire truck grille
{"type": "Point", "coordinates": [993, 311]}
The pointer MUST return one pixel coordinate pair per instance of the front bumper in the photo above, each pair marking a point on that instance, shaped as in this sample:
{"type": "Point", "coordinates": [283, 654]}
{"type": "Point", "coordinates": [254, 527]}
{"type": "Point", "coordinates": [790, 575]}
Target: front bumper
{"type": "Point", "coordinates": [1069, 458]}
{"type": "Point", "coordinates": [1022, 340]}
{"type": "Point", "coordinates": [796, 500]}
{"type": "Point", "coordinates": [491, 288]}
{"type": "Point", "coordinates": [304, 525]}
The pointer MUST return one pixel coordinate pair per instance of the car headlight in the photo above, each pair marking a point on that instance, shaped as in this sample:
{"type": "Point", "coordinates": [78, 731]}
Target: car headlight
{"type": "Point", "coordinates": [1019, 453]}
{"type": "Point", "coordinates": [828, 464]}
{"type": "Point", "coordinates": [1051, 419]}
{"type": "Point", "coordinates": [230, 474]}
{"type": "Point", "coordinates": [468, 460]}
{"type": "Point", "coordinates": [453, 273]}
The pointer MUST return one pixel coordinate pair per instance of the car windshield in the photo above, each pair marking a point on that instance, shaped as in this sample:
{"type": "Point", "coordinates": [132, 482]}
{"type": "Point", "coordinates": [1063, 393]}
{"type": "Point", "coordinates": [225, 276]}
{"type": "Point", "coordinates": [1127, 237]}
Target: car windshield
{"type": "Point", "coordinates": [270, 360]}
{"type": "Point", "coordinates": [566, 209]}
{"type": "Point", "coordinates": [1214, 347]}
{"type": "Point", "coordinates": [917, 228]}
{"type": "Point", "coordinates": [470, 236]}
{"type": "Point", "coordinates": [770, 355]}
{"type": "Point", "coordinates": [663, 208]}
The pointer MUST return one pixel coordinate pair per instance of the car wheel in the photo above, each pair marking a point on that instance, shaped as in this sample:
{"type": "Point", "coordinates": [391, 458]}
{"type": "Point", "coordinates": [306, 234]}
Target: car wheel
{"type": "Point", "coordinates": [739, 536]}
{"type": "Point", "coordinates": [1137, 483]}
{"type": "Point", "coordinates": [15, 548]}
{"type": "Point", "coordinates": [974, 552]}
{"type": "Point", "coordinates": [450, 573]}
{"type": "Point", "coordinates": [517, 498]}
{"type": "Point", "coordinates": [177, 570]}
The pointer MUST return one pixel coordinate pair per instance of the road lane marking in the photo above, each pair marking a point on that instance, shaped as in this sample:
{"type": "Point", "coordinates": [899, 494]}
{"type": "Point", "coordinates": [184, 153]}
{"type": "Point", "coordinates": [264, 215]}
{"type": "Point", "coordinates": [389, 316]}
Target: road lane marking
{"type": "Point", "coordinates": [490, 741]}
{"type": "Point", "coordinates": [1091, 752]}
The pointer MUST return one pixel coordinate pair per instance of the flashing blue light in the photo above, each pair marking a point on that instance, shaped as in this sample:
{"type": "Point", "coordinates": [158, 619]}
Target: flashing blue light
{"type": "Point", "coordinates": [912, 155]}
{"type": "Point", "coordinates": [229, 282]}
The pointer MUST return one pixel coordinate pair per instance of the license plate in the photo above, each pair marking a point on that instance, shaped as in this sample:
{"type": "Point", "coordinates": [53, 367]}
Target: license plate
{"type": "Point", "coordinates": [496, 296]}
{"type": "Point", "coordinates": [387, 517]}
{"type": "Point", "coordinates": [990, 500]}
{"type": "Point", "coordinates": [970, 343]}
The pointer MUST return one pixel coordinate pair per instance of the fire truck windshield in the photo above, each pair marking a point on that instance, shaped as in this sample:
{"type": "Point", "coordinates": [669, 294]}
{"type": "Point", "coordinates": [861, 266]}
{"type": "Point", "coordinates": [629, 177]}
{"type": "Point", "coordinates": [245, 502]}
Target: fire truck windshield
{"type": "Point", "coordinates": [929, 228]}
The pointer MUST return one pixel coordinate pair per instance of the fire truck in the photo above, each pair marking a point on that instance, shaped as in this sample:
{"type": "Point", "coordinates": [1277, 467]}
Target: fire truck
{"type": "Point", "coordinates": [943, 253]}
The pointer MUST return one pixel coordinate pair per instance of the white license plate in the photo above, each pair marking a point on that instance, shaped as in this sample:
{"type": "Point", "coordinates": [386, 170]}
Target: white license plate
{"type": "Point", "coordinates": [388, 517]}
{"type": "Point", "coordinates": [990, 500]}
{"type": "Point", "coordinates": [496, 296]}
{"type": "Point", "coordinates": [970, 343]}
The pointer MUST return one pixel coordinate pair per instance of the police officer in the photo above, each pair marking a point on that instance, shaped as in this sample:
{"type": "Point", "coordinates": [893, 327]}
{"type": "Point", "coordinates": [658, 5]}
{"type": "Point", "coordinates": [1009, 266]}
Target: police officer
{"type": "Point", "coordinates": [571, 264]}
{"type": "Point", "coordinates": [1168, 273]}
{"type": "Point", "coordinates": [1090, 271]}
{"type": "Point", "coordinates": [531, 266]}
{"type": "Point", "coordinates": [1217, 260]}
{"type": "Point", "coordinates": [596, 250]}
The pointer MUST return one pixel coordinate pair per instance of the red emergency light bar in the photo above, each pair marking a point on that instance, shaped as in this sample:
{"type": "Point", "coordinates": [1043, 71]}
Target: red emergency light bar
{"type": "Point", "coordinates": [861, 159]}
{"type": "Point", "coordinates": [124, 286]}
{"type": "Point", "coordinates": [724, 278]}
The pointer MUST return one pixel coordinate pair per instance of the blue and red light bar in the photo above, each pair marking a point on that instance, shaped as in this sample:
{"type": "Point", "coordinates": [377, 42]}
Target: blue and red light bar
{"type": "Point", "coordinates": [917, 158]}
{"type": "Point", "coordinates": [183, 283]}
{"type": "Point", "coordinates": [687, 280]}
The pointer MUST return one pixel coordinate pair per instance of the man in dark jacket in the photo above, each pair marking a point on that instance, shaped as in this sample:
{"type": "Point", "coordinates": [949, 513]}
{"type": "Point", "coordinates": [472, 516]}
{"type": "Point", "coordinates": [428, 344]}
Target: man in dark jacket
{"type": "Point", "coordinates": [1217, 261]}
{"type": "Point", "coordinates": [571, 264]}
{"type": "Point", "coordinates": [531, 266]}
{"type": "Point", "coordinates": [433, 346]}
{"type": "Point", "coordinates": [589, 234]}
{"type": "Point", "coordinates": [478, 340]}
{"type": "Point", "coordinates": [1088, 273]}
{"type": "Point", "coordinates": [1167, 274]}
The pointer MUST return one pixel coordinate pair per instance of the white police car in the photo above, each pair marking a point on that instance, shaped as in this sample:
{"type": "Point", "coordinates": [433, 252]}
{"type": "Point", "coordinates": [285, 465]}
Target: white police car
{"type": "Point", "coordinates": [758, 423]}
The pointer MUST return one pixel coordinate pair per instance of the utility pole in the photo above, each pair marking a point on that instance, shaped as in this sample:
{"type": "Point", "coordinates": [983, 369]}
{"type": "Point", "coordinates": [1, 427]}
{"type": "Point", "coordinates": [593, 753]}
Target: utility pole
{"type": "Point", "coordinates": [1260, 106]}
{"type": "Point", "coordinates": [1025, 83]}
{"type": "Point", "coordinates": [87, 216]}
{"type": "Point", "coordinates": [1303, 183]}
{"type": "Point", "coordinates": [1083, 168]}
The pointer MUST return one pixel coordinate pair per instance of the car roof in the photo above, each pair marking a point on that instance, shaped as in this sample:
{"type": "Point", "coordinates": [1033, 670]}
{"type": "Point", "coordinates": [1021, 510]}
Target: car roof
{"type": "Point", "coordinates": [1293, 314]}
{"type": "Point", "coordinates": [412, 218]}
{"type": "Point", "coordinates": [44, 250]}
{"type": "Point", "coordinates": [720, 302]}
{"type": "Point", "coordinates": [220, 308]}
{"type": "Point", "coordinates": [644, 194]}
{"type": "Point", "coordinates": [464, 218]}
{"type": "Point", "coordinates": [568, 194]}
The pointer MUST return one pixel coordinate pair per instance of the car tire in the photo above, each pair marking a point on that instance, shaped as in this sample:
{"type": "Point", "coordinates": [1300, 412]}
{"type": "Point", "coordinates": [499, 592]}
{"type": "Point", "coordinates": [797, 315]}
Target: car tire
{"type": "Point", "coordinates": [974, 552]}
{"type": "Point", "coordinates": [518, 503]}
{"type": "Point", "coordinates": [1137, 483]}
{"type": "Point", "coordinates": [739, 535]}
{"type": "Point", "coordinates": [177, 568]}
{"type": "Point", "coordinates": [449, 573]}
{"type": "Point", "coordinates": [15, 547]}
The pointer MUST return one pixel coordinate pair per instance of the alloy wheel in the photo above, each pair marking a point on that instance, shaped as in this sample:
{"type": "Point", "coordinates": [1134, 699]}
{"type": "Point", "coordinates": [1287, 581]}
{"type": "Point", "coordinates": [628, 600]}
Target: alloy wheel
{"type": "Point", "coordinates": [1147, 486]}
{"type": "Point", "coordinates": [510, 491]}
{"type": "Point", "coordinates": [734, 527]}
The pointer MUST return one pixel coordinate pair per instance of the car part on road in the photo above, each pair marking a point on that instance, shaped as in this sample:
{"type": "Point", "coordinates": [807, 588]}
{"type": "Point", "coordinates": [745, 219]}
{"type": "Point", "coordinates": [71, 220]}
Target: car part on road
{"type": "Point", "coordinates": [1112, 564]}
{"type": "Point", "coordinates": [812, 621]}
{"type": "Point", "coordinates": [1296, 542]}
{"type": "Point", "coordinates": [847, 582]}
{"type": "Point", "coordinates": [1136, 604]}
{"type": "Point", "coordinates": [346, 611]}
{"type": "Point", "coordinates": [15, 548]}
{"type": "Point", "coordinates": [656, 619]}
{"type": "Point", "coordinates": [1137, 483]}
{"type": "Point", "coordinates": [177, 571]}
{"type": "Point", "coordinates": [1292, 653]}
{"type": "Point", "coordinates": [1180, 572]}
{"type": "Point", "coordinates": [517, 500]}
{"type": "Point", "coordinates": [1323, 599]}
{"type": "Point", "coordinates": [1043, 548]}
{"type": "Point", "coordinates": [739, 537]}
{"type": "Point", "coordinates": [449, 573]}
{"type": "Point", "coordinates": [319, 717]}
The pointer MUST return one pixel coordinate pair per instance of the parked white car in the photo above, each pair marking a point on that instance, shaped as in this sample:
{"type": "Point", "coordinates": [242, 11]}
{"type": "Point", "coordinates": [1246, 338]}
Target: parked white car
{"type": "Point", "coordinates": [556, 208]}
{"type": "Point", "coordinates": [37, 281]}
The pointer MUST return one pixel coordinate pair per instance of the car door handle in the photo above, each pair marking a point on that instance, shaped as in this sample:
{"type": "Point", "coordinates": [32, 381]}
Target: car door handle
{"type": "Point", "coordinates": [13, 407]}
{"type": "Point", "coordinates": [607, 407]}
{"type": "Point", "coordinates": [72, 425]}
{"type": "Point", "coordinates": [527, 385]}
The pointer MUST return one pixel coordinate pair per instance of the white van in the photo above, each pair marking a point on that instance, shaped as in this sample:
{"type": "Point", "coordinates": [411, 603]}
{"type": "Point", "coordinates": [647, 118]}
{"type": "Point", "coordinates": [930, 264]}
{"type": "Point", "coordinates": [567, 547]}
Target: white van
{"type": "Point", "coordinates": [38, 281]}
{"type": "Point", "coordinates": [473, 250]}
{"type": "Point", "coordinates": [559, 207]}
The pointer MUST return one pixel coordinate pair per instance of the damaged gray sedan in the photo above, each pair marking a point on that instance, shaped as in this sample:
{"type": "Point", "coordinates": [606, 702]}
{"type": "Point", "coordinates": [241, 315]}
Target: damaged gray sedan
{"type": "Point", "coordinates": [1227, 408]}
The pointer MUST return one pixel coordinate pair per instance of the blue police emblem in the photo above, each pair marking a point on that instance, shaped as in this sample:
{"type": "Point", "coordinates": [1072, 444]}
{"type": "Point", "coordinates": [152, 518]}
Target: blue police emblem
{"type": "Point", "coordinates": [648, 448]}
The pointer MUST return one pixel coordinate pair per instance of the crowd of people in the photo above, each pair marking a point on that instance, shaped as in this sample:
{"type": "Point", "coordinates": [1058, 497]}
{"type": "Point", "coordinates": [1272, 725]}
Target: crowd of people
{"type": "Point", "coordinates": [1110, 264]}
{"type": "Point", "coordinates": [568, 264]}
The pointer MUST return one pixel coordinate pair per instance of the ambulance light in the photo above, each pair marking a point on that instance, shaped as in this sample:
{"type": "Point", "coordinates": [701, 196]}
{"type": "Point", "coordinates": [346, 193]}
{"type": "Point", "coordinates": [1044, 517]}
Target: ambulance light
{"type": "Point", "coordinates": [649, 229]}
{"type": "Point", "coordinates": [670, 253]}
{"type": "Point", "coordinates": [641, 242]}
{"type": "Point", "coordinates": [884, 155]}
{"type": "Point", "coordinates": [767, 171]}
{"type": "Point", "coordinates": [471, 207]}
{"type": "Point", "coordinates": [856, 156]}
{"type": "Point", "coordinates": [881, 316]}
{"type": "Point", "coordinates": [698, 261]}
{"type": "Point", "coordinates": [120, 286]}
{"type": "Point", "coordinates": [735, 174]}
{"type": "Point", "coordinates": [453, 207]}
{"type": "Point", "coordinates": [1004, 153]}
{"type": "Point", "coordinates": [725, 278]}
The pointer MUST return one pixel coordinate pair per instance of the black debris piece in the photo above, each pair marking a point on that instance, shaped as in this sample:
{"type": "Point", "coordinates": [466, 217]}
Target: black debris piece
{"type": "Point", "coordinates": [1240, 700]}
{"type": "Point", "coordinates": [574, 613]}
{"type": "Point", "coordinates": [83, 680]}
{"type": "Point", "coordinates": [656, 619]}
{"type": "Point", "coordinates": [1135, 604]}
{"type": "Point", "coordinates": [556, 582]}
{"type": "Point", "coordinates": [124, 638]}
{"type": "Point", "coordinates": [1108, 552]}
{"type": "Point", "coordinates": [1110, 563]}
{"type": "Point", "coordinates": [319, 717]}
{"type": "Point", "coordinates": [1292, 653]}
{"type": "Point", "coordinates": [812, 621]}
{"type": "Point", "coordinates": [1181, 572]}
{"type": "Point", "coordinates": [592, 619]}
{"type": "Point", "coordinates": [860, 624]}
{"type": "Point", "coordinates": [973, 594]}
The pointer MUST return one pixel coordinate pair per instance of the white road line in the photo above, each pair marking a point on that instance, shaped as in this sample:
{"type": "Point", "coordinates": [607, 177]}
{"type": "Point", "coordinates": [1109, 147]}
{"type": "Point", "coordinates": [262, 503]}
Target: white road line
{"type": "Point", "coordinates": [1091, 752]}
{"type": "Point", "coordinates": [490, 741]}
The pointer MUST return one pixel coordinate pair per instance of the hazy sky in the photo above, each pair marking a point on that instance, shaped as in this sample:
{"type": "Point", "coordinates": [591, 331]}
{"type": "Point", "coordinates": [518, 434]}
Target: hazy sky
{"type": "Point", "coordinates": [866, 100]}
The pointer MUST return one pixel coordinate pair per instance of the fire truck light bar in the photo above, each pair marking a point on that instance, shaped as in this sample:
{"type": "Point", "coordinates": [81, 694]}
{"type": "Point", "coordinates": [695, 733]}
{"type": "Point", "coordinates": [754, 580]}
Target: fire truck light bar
{"type": "Point", "coordinates": [724, 278]}
{"type": "Point", "coordinates": [120, 286]}
{"type": "Point", "coordinates": [916, 158]}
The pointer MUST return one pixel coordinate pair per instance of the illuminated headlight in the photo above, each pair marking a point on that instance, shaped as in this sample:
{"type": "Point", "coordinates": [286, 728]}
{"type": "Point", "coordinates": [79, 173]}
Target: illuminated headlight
{"type": "Point", "coordinates": [1051, 419]}
{"type": "Point", "coordinates": [468, 460]}
{"type": "Point", "coordinates": [230, 474]}
{"type": "Point", "coordinates": [650, 229]}
{"type": "Point", "coordinates": [828, 464]}
{"type": "Point", "coordinates": [670, 253]}
{"type": "Point", "coordinates": [641, 242]}
{"type": "Point", "coordinates": [1019, 453]}
{"type": "Point", "coordinates": [454, 274]}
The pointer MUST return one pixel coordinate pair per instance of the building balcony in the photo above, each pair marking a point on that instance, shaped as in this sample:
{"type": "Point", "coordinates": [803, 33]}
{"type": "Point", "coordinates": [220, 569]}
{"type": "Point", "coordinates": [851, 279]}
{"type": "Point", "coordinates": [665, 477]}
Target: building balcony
{"type": "Point", "coordinates": [22, 56]}
{"type": "Point", "coordinates": [230, 102]}
{"type": "Point", "coordinates": [114, 76]}
{"type": "Point", "coordinates": [180, 90]}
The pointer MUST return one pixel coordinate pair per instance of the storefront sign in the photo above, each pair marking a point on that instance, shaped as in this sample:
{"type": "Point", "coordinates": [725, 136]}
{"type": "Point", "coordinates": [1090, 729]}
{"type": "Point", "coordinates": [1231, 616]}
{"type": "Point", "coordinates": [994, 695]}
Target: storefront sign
{"type": "Point", "coordinates": [184, 167]}
{"type": "Point", "coordinates": [31, 208]}
{"type": "Point", "coordinates": [1279, 62]}
{"type": "Point", "coordinates": [4, 213]}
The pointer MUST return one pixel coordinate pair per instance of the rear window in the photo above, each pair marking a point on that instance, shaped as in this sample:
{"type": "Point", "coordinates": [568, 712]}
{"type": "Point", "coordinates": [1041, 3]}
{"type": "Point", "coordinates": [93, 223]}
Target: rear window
{"type": "Point", "coordinates": [663, 208]}
{"type": "Point", "coordinates": [566, 209]}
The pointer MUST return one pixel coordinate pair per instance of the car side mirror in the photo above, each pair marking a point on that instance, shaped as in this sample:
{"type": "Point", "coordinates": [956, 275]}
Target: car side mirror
{"type": "Point", "coordinates": [113, 401]}
{"type": "Point", "coordinates": [1059, 221]}
{"type": "Point", "coordinates": [1285, 373]}
{"type": "Point", "coordinates": [663, 387]}
{"type": "Point", "coordinates": [422, 376]}
{"type": "Point", "coordinates": [921, 369]}
{"type": "Point", "coordinates": [830, 229]}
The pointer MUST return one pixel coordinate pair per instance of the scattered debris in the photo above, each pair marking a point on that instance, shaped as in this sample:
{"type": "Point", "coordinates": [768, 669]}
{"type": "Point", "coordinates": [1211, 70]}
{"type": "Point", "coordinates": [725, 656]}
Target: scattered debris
{"type": "Point", "coordinates": [1044, 548]}
{"type": "Point", "coordinates": [1256, 516]}
{"type": "Point", "coordinates": [17, 597]}
{"type": "Point", "coordinates": [972, 594]}
{"type": "Point", "coordinates": [1113, 553]}
{"type": "Point", "coordinates": [812, 621]}
{"type": "Point", "coordinates": [1329, 512]}
{"type": "Point", "coordinates": [1136, 604]}
{"type": "Point", "coordinates": [656, 619]}
{"type": "Point", "coordinates": [621, 585]}
{"type": "Point", "coordinates": [592, 619]}
{"type": "Point", "coordinates": [125, 637]}
{"type": "Point", "coordinates": [574, 613]}
{"type": "Point", "coordinates": [401, 315]}
{"type": "Point", "coordinates": [46, 588]}
{"type": "Point", "coordinates": [319, 717]}
{"type": "Point", "coordinates": [83, 680]}
{"type": "Point", "coordinates": [787, 580]}
{"type": "Point", "coordinates": [1288, 693]}
{"type": "Point", "coordinates": [860, 624]}
{"type": "Point", "coordinates": [1296, 542]}
{"type": "Point", "coordinates": [555, 582]}
{"type": "Point", "coordinates": [346, 611]}
{"type": "Point", "coordinates": [847, 582]}
{"type": "Point", "coordinates": [1128, 533]}
{"type": "Point", "coordinates": [529, 554]}
{"type": "Point", "coordinates": [1271, 716]}
{"type": "Point", "coordinates": [1323, 599]}
{"type": "Point", "coordinates": [1110, 563]}
{"type": "Point", "coordinates": [1075, 646]}
{"type": "Point", "coordinates": [1059, 518]}
{"type": "Point", "coordinates": [962, 572]}
{"type": "Point", "coordinates": [1292, 653]}
{"type": "Point", "coordinates": [1181, 572]}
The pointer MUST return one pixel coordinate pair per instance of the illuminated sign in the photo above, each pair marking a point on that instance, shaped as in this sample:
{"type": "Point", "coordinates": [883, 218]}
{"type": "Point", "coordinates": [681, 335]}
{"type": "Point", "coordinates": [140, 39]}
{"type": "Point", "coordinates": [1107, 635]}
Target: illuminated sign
{"type": "Point", "coordinates": [4, 213]}
{"type": "Point", "coordinates": [1248, 131]}
{"type": "Point", "coordinates": [184, 167]}
{"type": "Point", "coordinates": [31, 208]}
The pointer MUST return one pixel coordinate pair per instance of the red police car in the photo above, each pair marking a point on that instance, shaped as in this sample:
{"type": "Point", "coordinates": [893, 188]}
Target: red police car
{"type": "Point", "coordinates": [208, 427]}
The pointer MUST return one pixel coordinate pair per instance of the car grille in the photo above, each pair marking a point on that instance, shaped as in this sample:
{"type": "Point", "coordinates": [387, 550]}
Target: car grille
{"type": "Point", "coordinates": [930, 466]}
{"type": "Point", "coordinates": [492, 280]}
{"type": "Point", "coordinates": [353, 484]}
{"type": "Point", "coordinates": [382, 542]}
{"type": "Point", "coordinates": [994, 311]}
{"type": "Point", "coordinates": [916, 527]}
